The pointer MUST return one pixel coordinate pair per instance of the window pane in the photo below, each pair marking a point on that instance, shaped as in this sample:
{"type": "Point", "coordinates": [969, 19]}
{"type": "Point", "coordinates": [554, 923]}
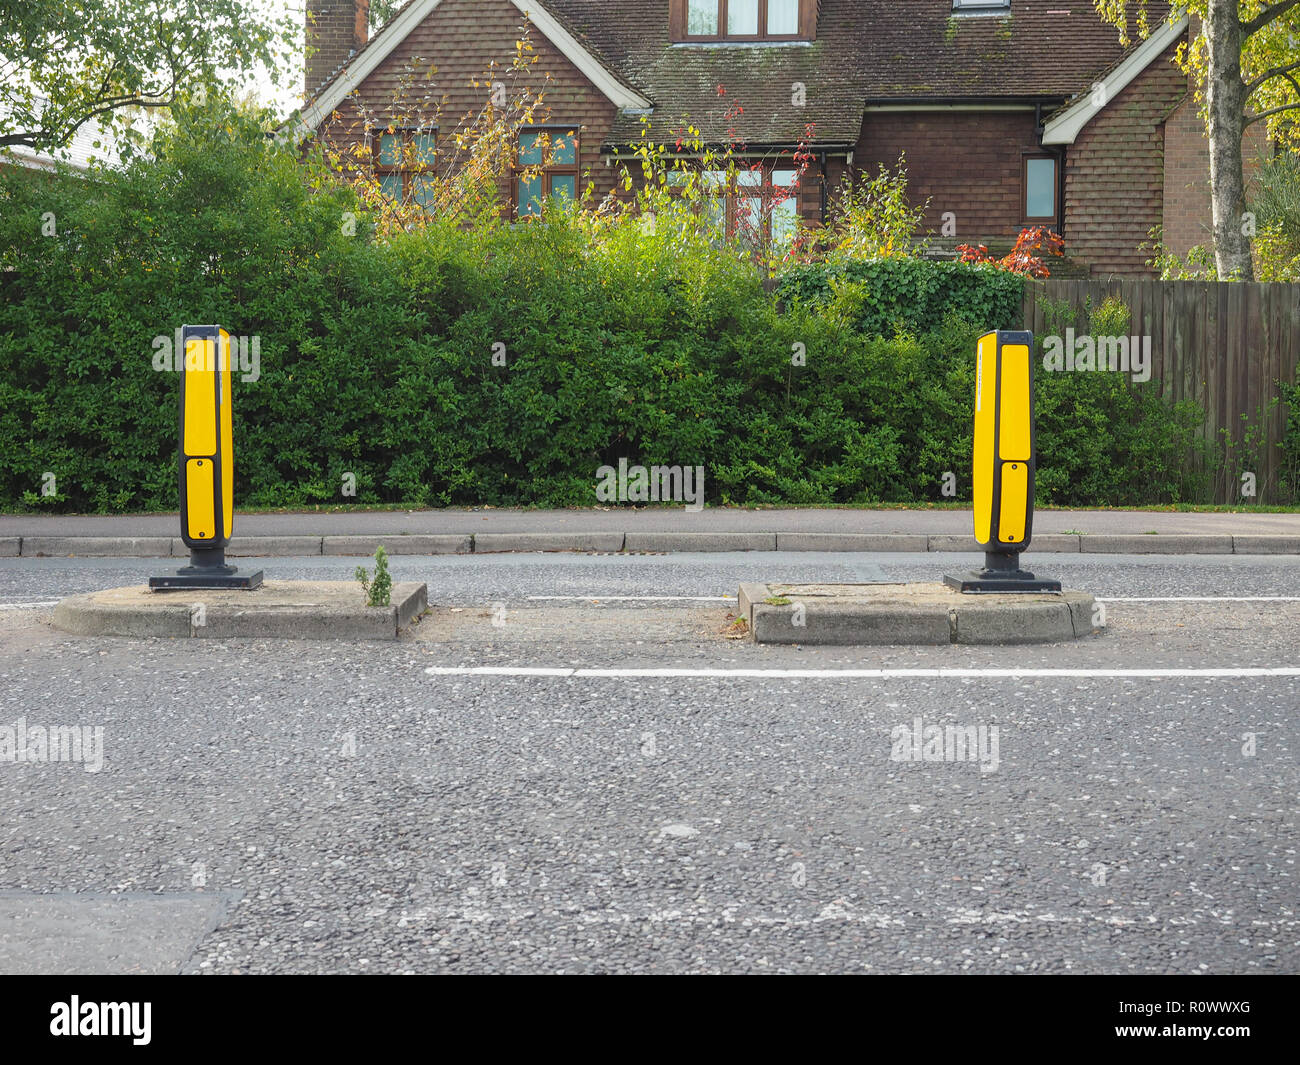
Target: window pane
{"type": "Point", "coordinates": [422, 191]}
{"type": "Point", "coordinates": [530, 148]}
{"type": "Point", "coordinates": [390, 149]}
{"type": "Point", "coordinates": [530, 196]}
{"type": "Point", "coordinates": [785, 215]}
{"type": "Point", "coordinates": [391, 186]}
{"type": "Point", "coordinates": [422, 149]}
{"type": "Point", "coordinates": [1040, 188]}
{"type": "Point", "coordinates": [782, 17]}
{"type": "Point", "coordinates": [749, 220]}
{"type": "Point", "coordinates": [784, 178]}
{"type": "Point", "coordinates": [742, 18]}
{"type": "Point", "coordinates": [564, 149]}
{"type": "Point", "coordinates": [713, 179]}
{"type": "Point", "coordinates": [564, 186]}
{"type": "Point", "coordinates": [702, 18]}
{"type": "Point", "coordinates": [750, 179]}
{"type": "Point", "coordinates": [715, 215]}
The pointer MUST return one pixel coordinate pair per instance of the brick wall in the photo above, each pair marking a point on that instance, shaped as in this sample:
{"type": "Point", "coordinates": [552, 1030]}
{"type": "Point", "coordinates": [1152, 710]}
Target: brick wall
{"type": "Point", "coordinates": [1115, 174]}
{"type": "Point", "coordinates": [969, 163]}
{"type": "Point", "coordinates": [429, 79]}
{"type": "Point", "coordinates": [335, 29]}
{"type": "Point", "coordinates": [1187, 217]}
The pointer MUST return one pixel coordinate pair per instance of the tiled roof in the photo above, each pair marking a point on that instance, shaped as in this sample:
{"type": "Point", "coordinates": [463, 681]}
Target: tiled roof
{"type": "Point", "coordinates": [866, 50]}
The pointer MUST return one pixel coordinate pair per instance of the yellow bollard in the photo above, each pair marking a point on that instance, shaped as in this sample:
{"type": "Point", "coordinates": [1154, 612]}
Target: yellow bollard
{"type": "Point", "coordinates": [206, 464]}
{"type": "Point", "coordinates": [1003, 474]}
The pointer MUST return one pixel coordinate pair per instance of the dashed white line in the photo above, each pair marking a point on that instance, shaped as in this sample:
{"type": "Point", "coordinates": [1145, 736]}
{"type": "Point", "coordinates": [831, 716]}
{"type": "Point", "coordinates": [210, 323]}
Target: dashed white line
{"type": "Point", "coordinates": [28, 606]}
{"type": "Point", "coordinates": [732, 598]}
{"type": "Point", "coordinates": [865, 674]}
{"type": "Point", "coordinates": [1199, 599]}
{"type": "Point", "coordinates": [633, 598]}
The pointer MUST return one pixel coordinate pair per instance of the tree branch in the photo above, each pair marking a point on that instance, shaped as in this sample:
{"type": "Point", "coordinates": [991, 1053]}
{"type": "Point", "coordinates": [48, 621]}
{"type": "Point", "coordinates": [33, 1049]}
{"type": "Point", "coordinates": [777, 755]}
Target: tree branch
{"type": "Point", "coordinates": [1270, 112]}
{"type": "Point", "coordinates": [1254, 84]}
{"type": "Point", "coordinates": [27, 139]}
{"type": "Point", "coordinates": [35, 138]}
{"type": "Point", "coordinates": [1249, 29]}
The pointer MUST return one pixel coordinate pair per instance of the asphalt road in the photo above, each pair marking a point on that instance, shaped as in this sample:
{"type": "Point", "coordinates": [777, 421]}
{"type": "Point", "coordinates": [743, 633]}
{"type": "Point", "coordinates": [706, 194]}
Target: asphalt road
{"type": "Point", "coordinates": [279, 805]}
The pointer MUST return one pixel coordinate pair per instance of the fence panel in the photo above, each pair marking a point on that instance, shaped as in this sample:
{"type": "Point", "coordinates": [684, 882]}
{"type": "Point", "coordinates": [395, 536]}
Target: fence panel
{"type": "Point", "coordinates": [1223, 346]}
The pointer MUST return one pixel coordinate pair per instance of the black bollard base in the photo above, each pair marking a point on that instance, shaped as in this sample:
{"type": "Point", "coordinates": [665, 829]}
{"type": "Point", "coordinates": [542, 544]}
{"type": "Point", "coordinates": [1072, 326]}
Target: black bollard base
{"type": "Point", "coordinates": [207, 571]}
{"type": "Point", "coordinates": [1001, 574]}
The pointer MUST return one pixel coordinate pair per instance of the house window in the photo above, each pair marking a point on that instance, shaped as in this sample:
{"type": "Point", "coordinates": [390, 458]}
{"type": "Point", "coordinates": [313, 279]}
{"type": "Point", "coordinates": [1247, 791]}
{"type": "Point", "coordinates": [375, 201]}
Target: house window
{"type": "Point", "coordinates": [547, 169]}
{"type": "Point", "coordinates": [758, 207]}
{"type": "Point", "coordinates": [981, 5]}
{"type": "Point", "coordinates": [403, 164]}
{"type": "Point", "coordinates": [1040, 188]}
{"type": "Point", "coordinates": [737, 20]}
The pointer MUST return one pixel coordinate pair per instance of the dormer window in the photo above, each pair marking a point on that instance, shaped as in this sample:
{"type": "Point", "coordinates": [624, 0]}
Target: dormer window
{"type": "Point", "coordinates": [707, 21]}
{"type": "Point", "coordinates": [982, 7]}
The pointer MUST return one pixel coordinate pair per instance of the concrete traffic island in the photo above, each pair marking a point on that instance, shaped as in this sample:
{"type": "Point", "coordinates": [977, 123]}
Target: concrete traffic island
{"type": "Point", "coordinates": [875, 614]}
{"type": "Point", "coordinates": [299, 610]}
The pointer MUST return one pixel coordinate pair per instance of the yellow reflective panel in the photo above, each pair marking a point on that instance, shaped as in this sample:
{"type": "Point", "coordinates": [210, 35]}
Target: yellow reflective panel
{"type": "Point", "coordinates": [1013, 396]}
{"type": "Point", "coordinates": [1014, 508]}
{"type": "Point", "coordinates": [227, 442]}
{"type": "Point", "coordinates": [200, 516]}
{"type": "Point", "coordinates": [985, 407]}
{"type": "Point", "coordinates": [200, 431]}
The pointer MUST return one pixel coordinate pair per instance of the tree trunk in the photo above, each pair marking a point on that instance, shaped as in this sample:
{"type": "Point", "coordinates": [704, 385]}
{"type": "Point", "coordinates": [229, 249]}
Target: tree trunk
{"type": "Point", "coordinates": [1225, 96]}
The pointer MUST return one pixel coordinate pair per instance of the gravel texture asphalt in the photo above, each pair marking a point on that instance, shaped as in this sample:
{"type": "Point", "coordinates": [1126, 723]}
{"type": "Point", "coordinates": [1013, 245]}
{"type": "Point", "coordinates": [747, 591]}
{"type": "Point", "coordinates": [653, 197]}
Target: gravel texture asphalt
{"type": "Point", "coordinates": [345, 810]}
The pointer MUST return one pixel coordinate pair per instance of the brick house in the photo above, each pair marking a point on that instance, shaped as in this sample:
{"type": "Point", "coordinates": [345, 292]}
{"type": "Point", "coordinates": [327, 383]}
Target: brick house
{"type": "Point", "coordinates": [1010, 112]}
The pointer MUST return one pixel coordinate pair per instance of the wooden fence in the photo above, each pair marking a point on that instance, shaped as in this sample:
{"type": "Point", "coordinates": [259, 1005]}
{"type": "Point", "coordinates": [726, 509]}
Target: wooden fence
{"type": "Point", "coordinates": [1224, 346]}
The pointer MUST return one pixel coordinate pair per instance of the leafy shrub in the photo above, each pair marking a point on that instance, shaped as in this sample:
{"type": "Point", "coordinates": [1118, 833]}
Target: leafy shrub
{"type": "Point", "coordinates": [377, 359]}
{"type": "Point", "coordinates": [1025, 257]}
{"type": "Point", "coordinates": [1277, 209]}
{"type": "Point", "coordinates": [379, 588]}
{"type": "Point", "coordinates": [872, 217]}
{"type": "Point", "coordinates": [1289, 473]}
{"type": "Point", "coordinates": [884, 295]}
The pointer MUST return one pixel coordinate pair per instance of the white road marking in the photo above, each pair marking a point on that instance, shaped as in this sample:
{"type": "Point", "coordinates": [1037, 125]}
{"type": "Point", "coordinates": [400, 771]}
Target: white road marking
{"type": "Point", "coordinates": [839, 911]}
{"type": "Point", "coordinates": [853, 674]}
{"type": "Point", "coordinates": [633, 598]}
{"type": "Point", "coordinates": [732, 598]}
{"type": "Point", "coordinates": [28, 606]}
{"type": "Point", "coordinates": [1200, 599]}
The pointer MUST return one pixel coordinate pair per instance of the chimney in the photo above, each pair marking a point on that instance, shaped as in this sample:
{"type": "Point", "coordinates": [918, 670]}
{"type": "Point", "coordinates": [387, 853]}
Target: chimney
{"type": "Point", "coordinates": [335, 30]}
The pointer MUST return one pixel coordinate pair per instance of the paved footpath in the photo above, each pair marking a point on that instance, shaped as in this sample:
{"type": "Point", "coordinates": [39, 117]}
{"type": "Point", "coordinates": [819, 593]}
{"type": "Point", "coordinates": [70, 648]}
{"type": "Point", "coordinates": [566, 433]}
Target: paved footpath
{"type": "Point", "coordinates": [483, 531]}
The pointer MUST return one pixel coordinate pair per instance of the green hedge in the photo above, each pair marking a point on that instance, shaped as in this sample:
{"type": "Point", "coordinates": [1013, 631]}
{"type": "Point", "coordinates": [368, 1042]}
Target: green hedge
{"type": "Point", "coordinates": [377, 357]}
{"type": "Point", "coordinates": [910, 294]}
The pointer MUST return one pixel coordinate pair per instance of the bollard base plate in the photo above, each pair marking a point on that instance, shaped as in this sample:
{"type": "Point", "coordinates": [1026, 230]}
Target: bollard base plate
{"type": "Point", "coordinates": [1001, 575]}
{"type": "Point", "coordinates": [206, 581]}
{"type": "Point", "coordinates": [1000, 583]}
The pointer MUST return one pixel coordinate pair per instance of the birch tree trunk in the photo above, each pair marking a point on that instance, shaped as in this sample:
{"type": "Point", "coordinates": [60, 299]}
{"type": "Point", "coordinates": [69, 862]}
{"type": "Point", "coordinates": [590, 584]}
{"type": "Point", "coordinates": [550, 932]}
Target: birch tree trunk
{"type": "Point", "coordinates": [1226, 105]}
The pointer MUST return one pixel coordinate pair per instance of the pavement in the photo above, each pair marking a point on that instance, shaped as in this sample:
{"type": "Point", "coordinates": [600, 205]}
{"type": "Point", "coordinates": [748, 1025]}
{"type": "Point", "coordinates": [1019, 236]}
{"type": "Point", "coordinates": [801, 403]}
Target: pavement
{"type": "Point", "coordinates": [615, 529]}
{"type": "Point", "coordinates": [570, 766]}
